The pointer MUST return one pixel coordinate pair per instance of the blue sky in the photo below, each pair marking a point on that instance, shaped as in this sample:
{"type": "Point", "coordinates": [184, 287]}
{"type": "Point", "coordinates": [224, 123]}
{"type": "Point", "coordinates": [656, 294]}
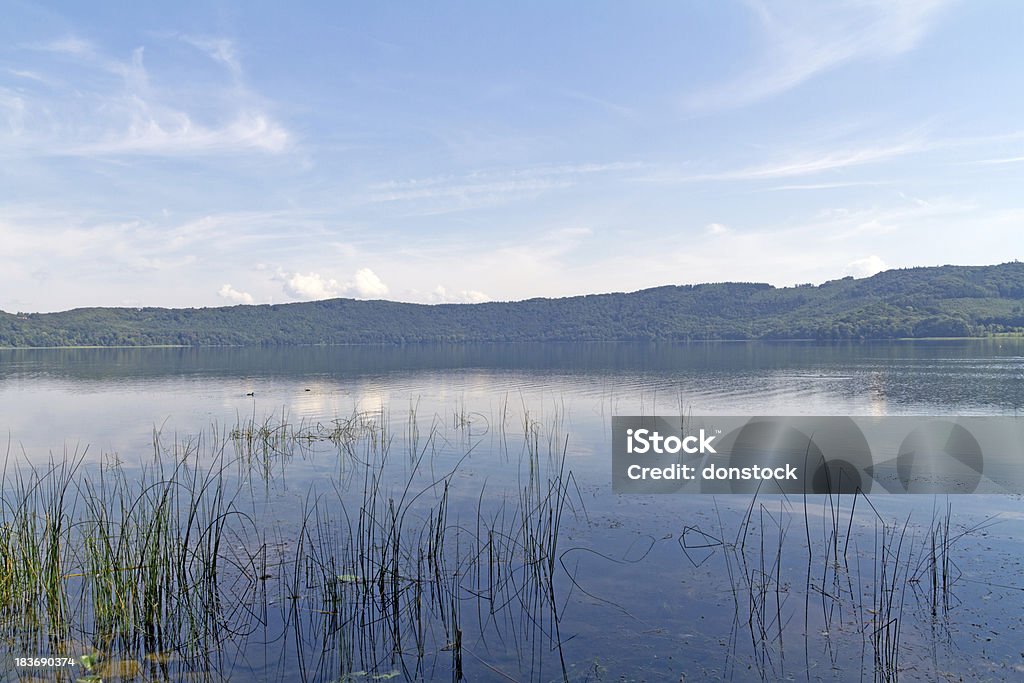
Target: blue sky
{"type": "Point", "coordinates": [204, 154]}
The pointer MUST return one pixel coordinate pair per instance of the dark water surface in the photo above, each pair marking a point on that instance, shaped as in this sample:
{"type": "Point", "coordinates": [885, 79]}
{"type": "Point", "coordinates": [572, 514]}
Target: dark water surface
{"type": "Point", "coordinates": [502, 439]}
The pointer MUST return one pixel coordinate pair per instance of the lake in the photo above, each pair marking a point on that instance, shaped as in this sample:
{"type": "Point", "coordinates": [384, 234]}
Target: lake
{"type": "Point", "coordinates": [445, 512]}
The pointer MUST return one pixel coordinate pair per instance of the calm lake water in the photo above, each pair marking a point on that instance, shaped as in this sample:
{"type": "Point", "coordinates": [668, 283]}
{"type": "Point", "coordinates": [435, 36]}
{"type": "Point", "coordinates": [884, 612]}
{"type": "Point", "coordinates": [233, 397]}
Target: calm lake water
{"type": "Point", "coordinates": [629, 588]}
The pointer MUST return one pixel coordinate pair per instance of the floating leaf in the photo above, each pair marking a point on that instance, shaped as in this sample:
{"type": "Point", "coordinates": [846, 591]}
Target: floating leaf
{"type": "Point", "coordinates": [89, 661]}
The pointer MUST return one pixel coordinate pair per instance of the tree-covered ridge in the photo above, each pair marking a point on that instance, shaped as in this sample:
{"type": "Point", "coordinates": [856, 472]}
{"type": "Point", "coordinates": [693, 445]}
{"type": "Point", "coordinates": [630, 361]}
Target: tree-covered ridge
{"type": "Point", "coordinates": [947, 301]}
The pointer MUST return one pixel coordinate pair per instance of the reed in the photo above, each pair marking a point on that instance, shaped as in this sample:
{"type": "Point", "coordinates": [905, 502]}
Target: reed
{"type": "Point", "coordinates": [864, 571]}
{"type": "Point", "coordinates": [168, 567]}
{"type": "Point", "coordinates": [397, 564]}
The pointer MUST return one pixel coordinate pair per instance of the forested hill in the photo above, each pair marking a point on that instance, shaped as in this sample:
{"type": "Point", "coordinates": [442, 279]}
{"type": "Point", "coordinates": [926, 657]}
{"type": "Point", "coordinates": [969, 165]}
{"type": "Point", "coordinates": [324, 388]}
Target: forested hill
{"type": "Point", "coordinates": [947, 301]}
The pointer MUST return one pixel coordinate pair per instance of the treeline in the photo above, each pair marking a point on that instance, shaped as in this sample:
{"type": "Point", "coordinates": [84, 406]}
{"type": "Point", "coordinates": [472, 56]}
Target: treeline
{"type": "Point", "coordinates": [947, 301]}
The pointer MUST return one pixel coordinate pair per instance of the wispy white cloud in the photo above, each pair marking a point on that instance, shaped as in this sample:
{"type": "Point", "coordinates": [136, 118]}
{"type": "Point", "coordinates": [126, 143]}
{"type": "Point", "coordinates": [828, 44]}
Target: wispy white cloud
{"type": "Point", "coordinates": [70, 45]}
{"type": "Point", "coordinates": [825, 162]}
{"type": "Point", "coordinates": [527, 173]}
{"type": "Point", "coordinates": [90, 245]}
{"type": "Point", "coordinates": [12, 108]}
{"type": "Point", "coordinates": [219, 49]}
{"type": "Point", "coordinates": [1001, 161]}
{"type": "Point", "coordinates": [489, 187]}
{"type": "Point", "coordinates": [829, 158]}
{"type": "Point", "coordinates": [807, 163]}
{"type": "Point", "coordinates": [803, 39]}
{"type": "Point", "coordinates": [175, 133]}
{"type": "Point", "coordinates": [606, 105]}
{"type": "Point", "coordinates": [842, 224]}
{"type": "Point", "coordinates": [469, 191]}
{"type": "Point", "coordinates": [30, 75]}
{"type": "Point", "coordinates": [136, 113]}
{"type": "Point", "coordinates": [796, 187]}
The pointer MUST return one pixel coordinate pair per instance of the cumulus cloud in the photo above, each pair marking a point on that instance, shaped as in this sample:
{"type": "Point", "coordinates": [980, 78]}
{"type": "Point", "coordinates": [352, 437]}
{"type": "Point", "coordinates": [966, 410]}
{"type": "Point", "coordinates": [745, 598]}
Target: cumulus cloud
{"type": "Point", "coordinates": [716, 229]}
{"type": "Point", "coordinates": [367, 284]}
{"type": "Point", "coordinates": [311, 286]}
{"type": "Point", "coordinates": [866, 267]}
{"type": "Point", "coordinates": [441, 295]}
{"type": "Point", "coordinates": [233, 295]}
{"type": "Point", "coordinates": [364, 284]}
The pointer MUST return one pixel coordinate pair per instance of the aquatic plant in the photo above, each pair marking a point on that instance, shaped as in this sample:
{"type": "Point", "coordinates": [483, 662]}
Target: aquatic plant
{"type": "Point", "coordinates": [172, 567]}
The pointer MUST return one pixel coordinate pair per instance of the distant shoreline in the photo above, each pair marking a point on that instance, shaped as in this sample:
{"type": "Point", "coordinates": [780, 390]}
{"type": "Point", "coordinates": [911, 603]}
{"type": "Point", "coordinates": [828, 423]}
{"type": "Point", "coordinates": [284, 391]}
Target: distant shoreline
{"type": "Point", "coordinates": [946, 302]}
{"type": "Point", "coordinates": [822, 342]}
